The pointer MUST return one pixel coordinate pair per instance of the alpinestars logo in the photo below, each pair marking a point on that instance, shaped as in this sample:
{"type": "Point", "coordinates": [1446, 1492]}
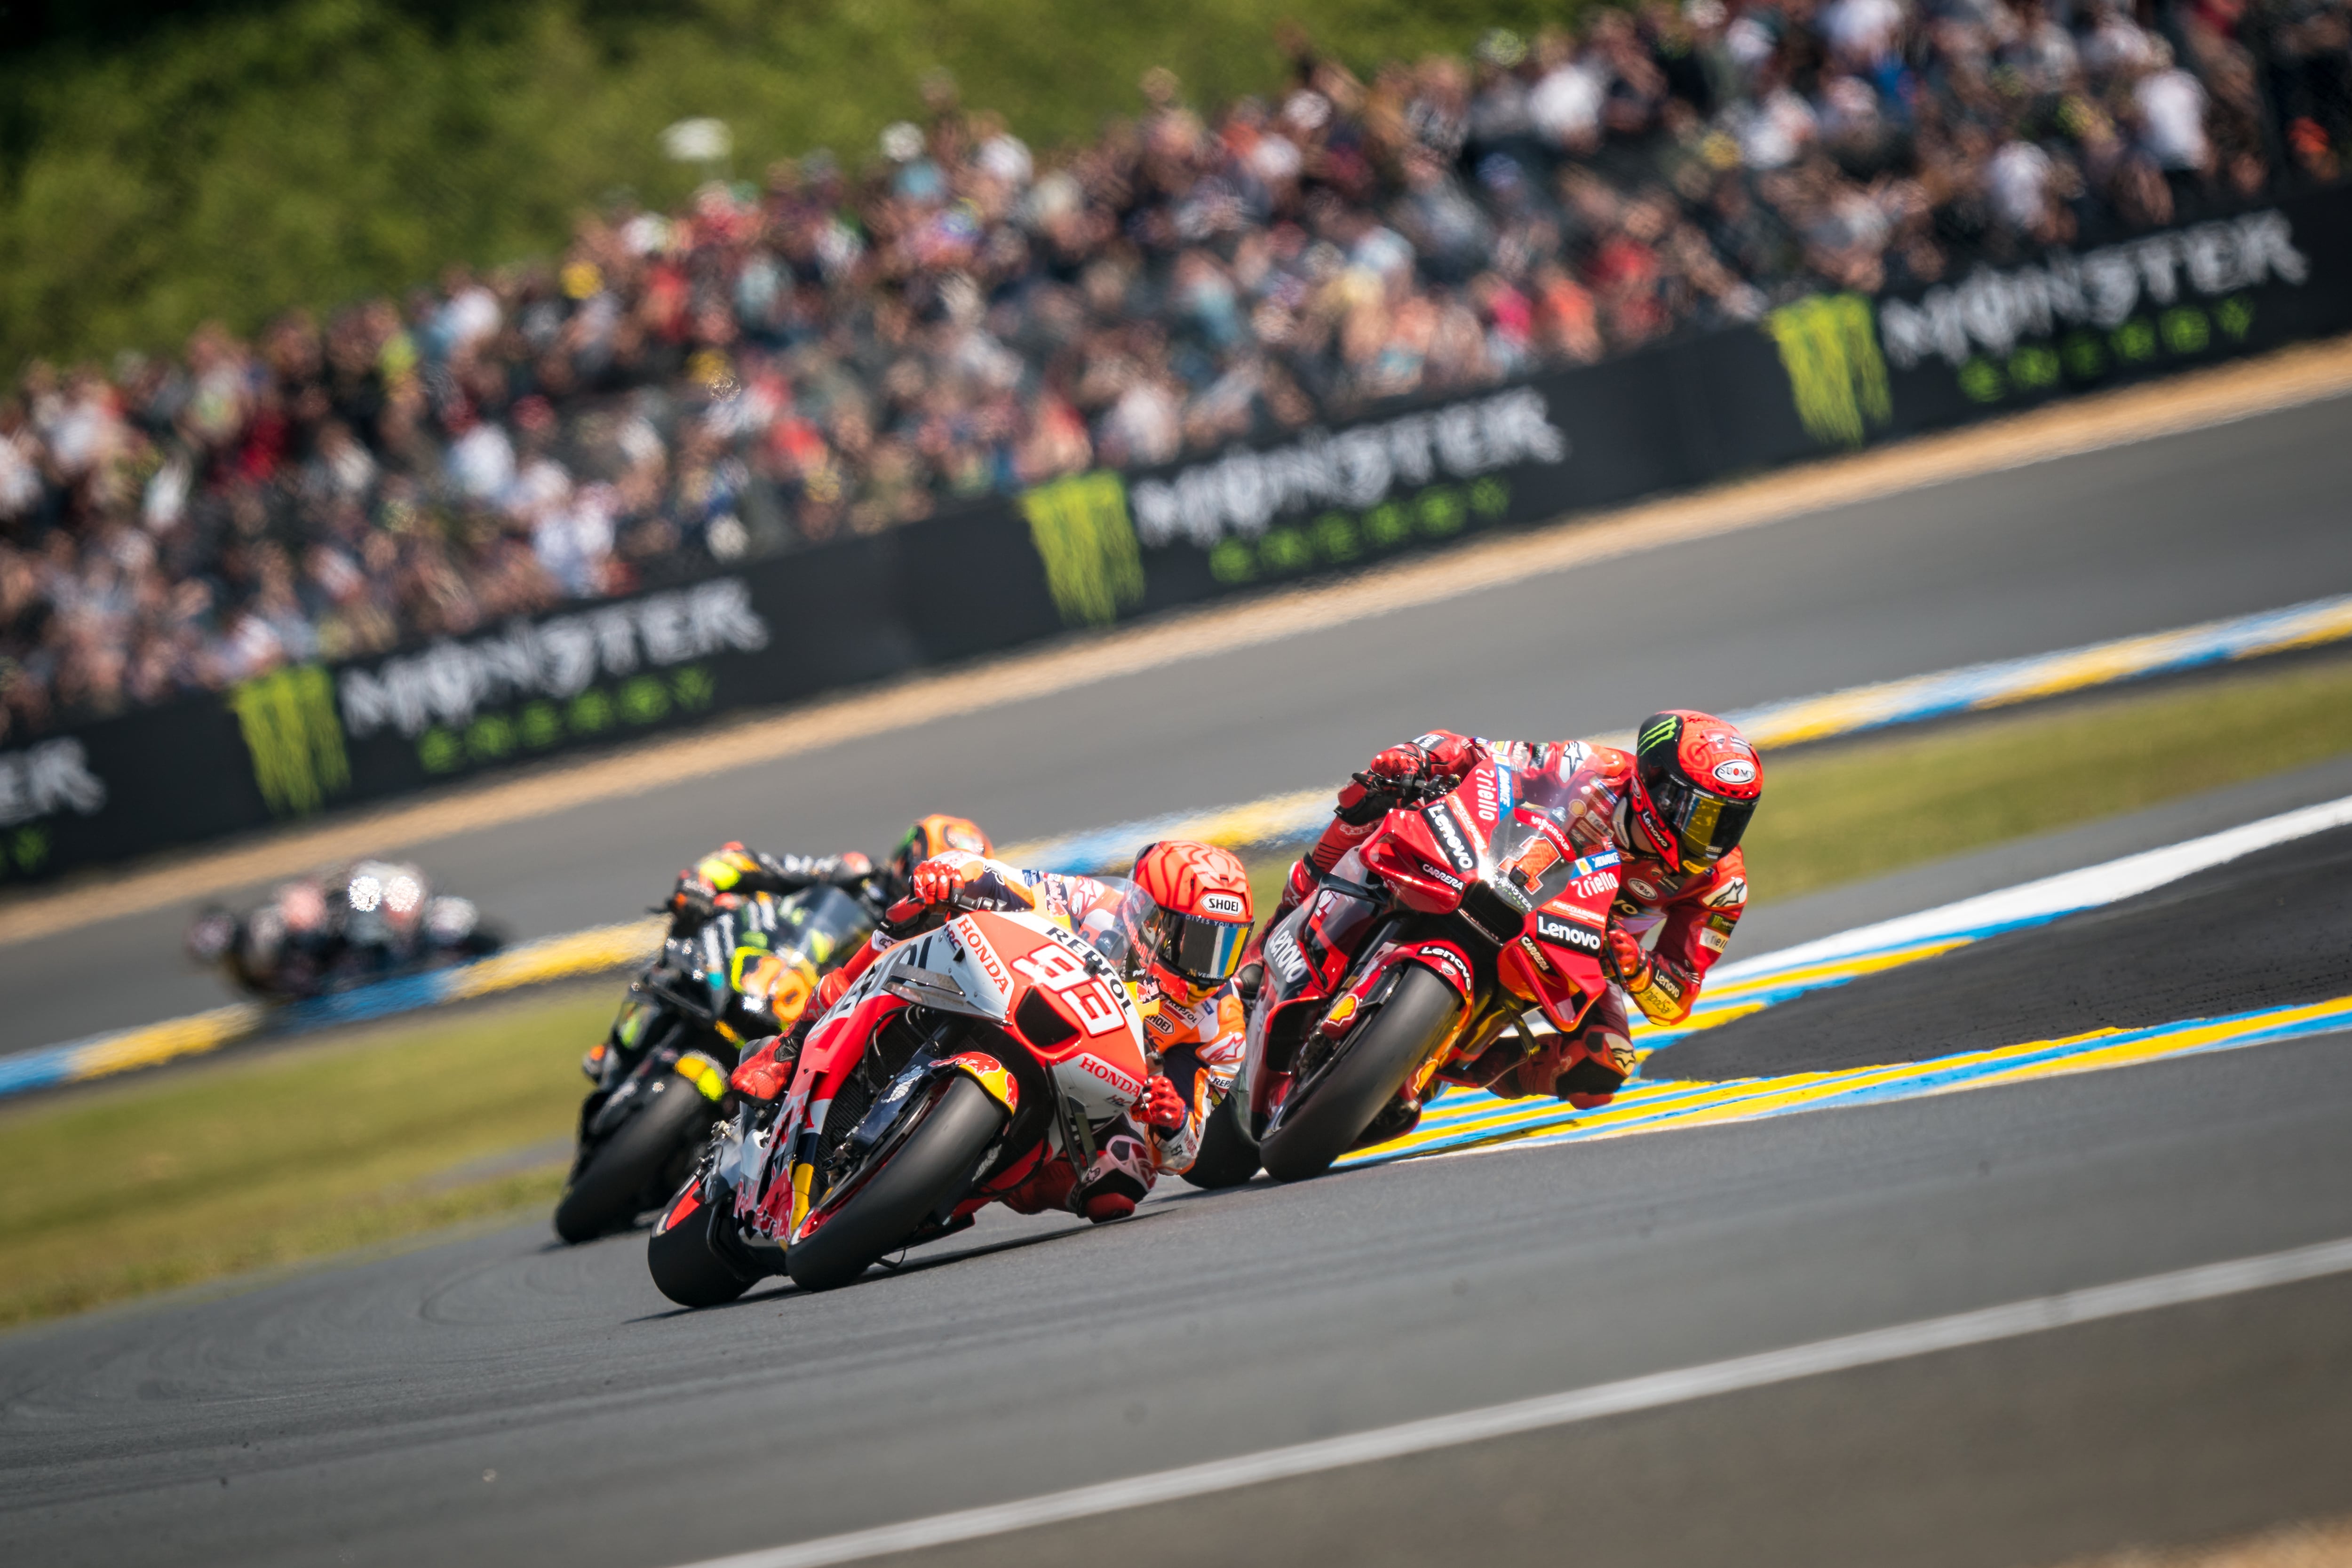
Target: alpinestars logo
{"type": "Point", "coordinates": [1568, 933]}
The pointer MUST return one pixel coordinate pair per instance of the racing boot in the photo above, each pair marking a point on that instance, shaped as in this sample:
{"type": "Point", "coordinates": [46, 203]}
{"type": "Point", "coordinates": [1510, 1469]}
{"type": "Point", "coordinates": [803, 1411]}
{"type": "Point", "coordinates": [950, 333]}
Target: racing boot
{"type": "Point", "coordinates": [1117, 1181]}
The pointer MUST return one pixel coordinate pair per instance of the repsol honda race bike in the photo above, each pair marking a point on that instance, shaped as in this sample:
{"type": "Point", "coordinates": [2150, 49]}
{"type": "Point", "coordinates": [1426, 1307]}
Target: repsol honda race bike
{"type": "Point", "coordinates": [1465, 909]}
{"type": "Point", "coordinates": [660, 1073]}
{"type": "Point", "coordinates": [961, 1062]}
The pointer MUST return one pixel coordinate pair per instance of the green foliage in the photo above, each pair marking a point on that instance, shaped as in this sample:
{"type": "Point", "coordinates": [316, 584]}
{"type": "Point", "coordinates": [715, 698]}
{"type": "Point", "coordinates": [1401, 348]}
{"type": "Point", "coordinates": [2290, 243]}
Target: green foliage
{"type": "Point", "coordinates": [1838, 814]}
{"type": "Point", "coordinates": [318, 151]}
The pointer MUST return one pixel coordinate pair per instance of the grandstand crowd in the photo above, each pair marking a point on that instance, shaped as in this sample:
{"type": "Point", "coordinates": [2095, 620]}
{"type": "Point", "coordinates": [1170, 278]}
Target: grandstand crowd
{"type": "Point", "coordinates": [838, 351]}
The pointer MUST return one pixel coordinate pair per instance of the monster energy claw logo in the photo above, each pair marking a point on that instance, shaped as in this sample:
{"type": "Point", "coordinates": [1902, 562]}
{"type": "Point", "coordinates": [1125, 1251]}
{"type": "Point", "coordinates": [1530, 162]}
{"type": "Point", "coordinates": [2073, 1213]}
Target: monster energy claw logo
{"type": "Point", "coordinates": [1082, 533]}
{"type": "Point", "coordinates": [1657, 733]}
{"type": "Point", "coordinates": [296, 740]}
{"type": "Point", "coordinates": [1830, 349]}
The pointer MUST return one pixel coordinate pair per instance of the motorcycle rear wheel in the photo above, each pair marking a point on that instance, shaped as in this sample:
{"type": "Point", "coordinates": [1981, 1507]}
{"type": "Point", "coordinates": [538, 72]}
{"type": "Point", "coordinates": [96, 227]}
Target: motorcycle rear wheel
{"type": "Point", "coordinates": [685, 1267]}
{"type": "Point", "coordinates": [1325, 1116]}
{"type": "Point", "coordinates": [611, 1189]}
{"type": "Point", "coordinates": [952, 1129]}
{"type": "Point", "coordinates": [1227, 1157]}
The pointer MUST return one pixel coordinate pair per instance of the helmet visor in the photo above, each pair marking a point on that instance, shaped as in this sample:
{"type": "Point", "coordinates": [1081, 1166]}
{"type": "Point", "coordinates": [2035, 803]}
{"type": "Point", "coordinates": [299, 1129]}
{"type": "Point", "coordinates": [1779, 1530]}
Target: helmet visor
{"type": "Point", "coordinates": [1204, 952]}
{"type": "Point", "coordinates": [1708, 825]}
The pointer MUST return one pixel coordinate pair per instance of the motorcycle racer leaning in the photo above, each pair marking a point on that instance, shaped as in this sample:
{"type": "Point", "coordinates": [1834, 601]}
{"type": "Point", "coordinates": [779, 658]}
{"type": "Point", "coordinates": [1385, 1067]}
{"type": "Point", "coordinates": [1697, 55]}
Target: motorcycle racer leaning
{"type": "Point", "coordinates": [733, 872]}
{"type": "Point", "coordinates": [1673, 808]}
{"type": "Point", "coordinates": [1175, 932]}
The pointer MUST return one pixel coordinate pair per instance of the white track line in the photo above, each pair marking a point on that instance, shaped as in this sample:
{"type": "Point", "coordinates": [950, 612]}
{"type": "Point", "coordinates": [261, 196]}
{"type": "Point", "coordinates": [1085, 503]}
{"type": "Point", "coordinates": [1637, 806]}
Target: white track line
{"type": "Point", "coordinates": [1899, 1342]}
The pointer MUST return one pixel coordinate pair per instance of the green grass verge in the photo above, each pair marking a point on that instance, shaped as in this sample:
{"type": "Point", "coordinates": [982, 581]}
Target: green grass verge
{"type": "Point", "coordinates": [1857, 809]}
{"type": "Point", "coordinates": [116, 1190]}
{"type": "Point", "coordinates": [119, 1190]}
{"type": "Point", "coordinates": [1842, 811]}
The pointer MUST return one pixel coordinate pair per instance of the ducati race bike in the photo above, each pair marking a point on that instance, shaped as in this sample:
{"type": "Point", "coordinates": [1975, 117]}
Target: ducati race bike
{"type": "Point", "coordinates": [966, 1058]}
{"type": "Point", "coordinates": [1466, 908]}
{"type": "Point", "coordinates": [747, 972]}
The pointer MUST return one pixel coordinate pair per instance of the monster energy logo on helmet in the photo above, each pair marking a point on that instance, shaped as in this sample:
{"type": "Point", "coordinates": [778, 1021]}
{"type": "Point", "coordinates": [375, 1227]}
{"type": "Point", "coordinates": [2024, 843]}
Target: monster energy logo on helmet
{"type": "Point", "coordinates": [1660, 731]}
{"type": "Point", "coordinates": [1081, 529]}
{"type": "Point", "coordinates": [1830, 349]}
{"type": "Point", "coordinates": [295, 738]}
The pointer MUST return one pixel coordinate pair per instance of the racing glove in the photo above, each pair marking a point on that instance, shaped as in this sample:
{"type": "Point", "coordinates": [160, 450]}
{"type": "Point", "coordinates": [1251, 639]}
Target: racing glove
{"type": "Point", "coordinates": [1629, 963]}
{"type": "Point", "coordinates": [691, 903]}
{"type": "Point", "coordinates": [938, 880]}
{"type": "Point", "coordinates": [1161, 1108]}
{"type": "Point", "coordinates": [1384, 781]}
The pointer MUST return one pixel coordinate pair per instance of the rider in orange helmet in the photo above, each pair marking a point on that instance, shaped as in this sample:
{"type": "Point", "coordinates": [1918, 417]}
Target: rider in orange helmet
{"type": "Point", "coordinates": [1673, 809]}
{"type": "Point", "coordinates": [1176, 931]}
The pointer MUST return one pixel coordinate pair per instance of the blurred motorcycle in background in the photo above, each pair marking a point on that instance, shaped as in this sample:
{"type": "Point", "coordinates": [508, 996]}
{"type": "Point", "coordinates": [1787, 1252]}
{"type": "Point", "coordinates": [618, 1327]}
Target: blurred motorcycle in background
{"type": "Point", "coordinates": [750, 971]}
{"type": "Point", "coordinates": [372, 920]}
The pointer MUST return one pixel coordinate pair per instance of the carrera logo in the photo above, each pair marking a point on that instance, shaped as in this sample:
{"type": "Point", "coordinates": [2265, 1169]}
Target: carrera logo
{"type": "Point", "coordinates": [1443, 878]}
{"type": "Point", "coordinates": [1568, 934]}
{"type": "Point", "coordinates": [1449, 837]}
{"type": "Point", "coordinates": [1535, 953]}
{"type": "Point", "coordinates": [1229, 904]}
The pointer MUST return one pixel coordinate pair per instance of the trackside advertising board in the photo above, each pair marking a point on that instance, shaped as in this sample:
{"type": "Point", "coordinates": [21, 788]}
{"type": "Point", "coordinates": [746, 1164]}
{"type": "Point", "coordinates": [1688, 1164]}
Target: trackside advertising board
{"type": "Point", "coordinates": [1831, 372]}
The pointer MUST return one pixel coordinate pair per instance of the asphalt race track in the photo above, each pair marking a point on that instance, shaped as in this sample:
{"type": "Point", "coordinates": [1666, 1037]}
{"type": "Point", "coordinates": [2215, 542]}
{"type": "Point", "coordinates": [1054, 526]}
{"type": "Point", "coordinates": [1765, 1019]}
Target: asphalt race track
{"type": "Point", "coordinates": [2272, 930]}
{"type": "Point", "coordinates": [2223, 521]}
{"type": "Point", "coordinates": [498, 1399]}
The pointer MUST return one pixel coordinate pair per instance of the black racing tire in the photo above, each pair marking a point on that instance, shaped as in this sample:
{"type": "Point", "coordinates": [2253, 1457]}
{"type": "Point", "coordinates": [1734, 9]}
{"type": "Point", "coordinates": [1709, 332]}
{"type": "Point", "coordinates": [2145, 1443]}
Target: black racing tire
{"type": "Point", "coordinates": [952, 1130]}
{"type": "Point", "coordinates": [1227, 1157]}
{"type": "Point", "coordinates": [685, 1267]}
{"type": "Point", "coordinates": [611, 1189]}
{"type": "Point", "coordinates": [1325, 1115]}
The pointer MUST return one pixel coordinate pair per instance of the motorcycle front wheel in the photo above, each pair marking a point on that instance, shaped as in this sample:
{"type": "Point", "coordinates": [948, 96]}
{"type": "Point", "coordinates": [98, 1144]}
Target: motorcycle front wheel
{"type": "Point", "coordinates": [683, 1260]}
{"type": "Point", "coordinates": [1329, 1111]}
{"type": "Point", "coordinates": [938, 1144]}
{"type": "Point", "coordinates": [613, 1185]}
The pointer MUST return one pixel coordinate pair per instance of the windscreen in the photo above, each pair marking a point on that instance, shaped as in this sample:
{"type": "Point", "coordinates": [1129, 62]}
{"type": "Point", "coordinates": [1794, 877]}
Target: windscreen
{"type": "Point", "coordinates": [1530, 847]}
{"type": "Point", "coordinates": [820, 924]}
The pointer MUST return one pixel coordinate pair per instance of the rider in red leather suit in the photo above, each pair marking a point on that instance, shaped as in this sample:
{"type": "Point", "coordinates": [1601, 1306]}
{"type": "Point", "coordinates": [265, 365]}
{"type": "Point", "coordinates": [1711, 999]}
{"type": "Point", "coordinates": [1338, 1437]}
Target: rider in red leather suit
{"type": "Point", "coordinates": [1674, 808]}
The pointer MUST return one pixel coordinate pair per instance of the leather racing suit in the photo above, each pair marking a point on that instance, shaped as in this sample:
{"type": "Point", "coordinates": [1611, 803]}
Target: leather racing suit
{"type": "Point", "coordinates": [1196, 1045]}
{"type": "Point", "coordinates": [1678, 922]}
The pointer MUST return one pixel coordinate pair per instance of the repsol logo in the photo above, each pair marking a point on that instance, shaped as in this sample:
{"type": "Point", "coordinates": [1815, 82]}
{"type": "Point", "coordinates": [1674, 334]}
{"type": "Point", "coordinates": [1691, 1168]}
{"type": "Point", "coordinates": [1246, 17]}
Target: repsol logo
{"type": "Point", "coordinates": [1568, 934]}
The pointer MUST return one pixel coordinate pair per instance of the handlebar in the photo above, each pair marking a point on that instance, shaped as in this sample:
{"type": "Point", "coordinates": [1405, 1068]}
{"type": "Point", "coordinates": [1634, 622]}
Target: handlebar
{"type": "Point", "coordinates": [902, 918]}
{"type": "Point", "coordinates": [1418, 790]}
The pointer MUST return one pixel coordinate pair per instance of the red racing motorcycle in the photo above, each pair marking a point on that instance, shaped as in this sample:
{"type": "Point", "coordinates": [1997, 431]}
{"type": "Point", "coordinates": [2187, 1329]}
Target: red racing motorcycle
{"type": "Point", "coordinates": [1468, 907]}
{"type": "Point", "coordinates": [962, 1061]}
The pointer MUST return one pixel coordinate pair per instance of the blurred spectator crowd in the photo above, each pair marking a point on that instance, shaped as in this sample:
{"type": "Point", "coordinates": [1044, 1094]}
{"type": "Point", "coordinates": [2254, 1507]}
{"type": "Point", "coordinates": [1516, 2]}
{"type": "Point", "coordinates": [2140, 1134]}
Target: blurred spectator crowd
{"type": "Point", "coordinates": [840, 350]}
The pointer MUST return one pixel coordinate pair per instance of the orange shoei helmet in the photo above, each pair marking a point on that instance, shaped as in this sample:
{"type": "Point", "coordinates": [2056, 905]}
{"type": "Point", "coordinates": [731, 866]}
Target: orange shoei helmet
{"type": "Point", "coordinates": [935, 835]}
{"type": "Point", "coordinates": [1190, 915]}
{"type": "Point", "coordinates": [1695, 783]}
